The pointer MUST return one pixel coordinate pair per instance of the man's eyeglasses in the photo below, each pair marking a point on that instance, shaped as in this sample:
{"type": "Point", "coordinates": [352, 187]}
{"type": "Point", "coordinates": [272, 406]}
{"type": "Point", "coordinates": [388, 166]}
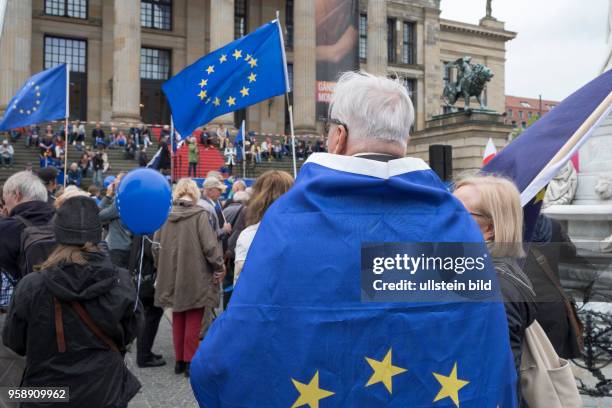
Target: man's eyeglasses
{"type": "Point", "coordinates": [332, 121]}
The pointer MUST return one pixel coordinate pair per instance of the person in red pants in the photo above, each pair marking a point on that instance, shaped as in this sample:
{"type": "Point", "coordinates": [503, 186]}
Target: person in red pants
{"type": "Point", "coordinates": [190, 270]}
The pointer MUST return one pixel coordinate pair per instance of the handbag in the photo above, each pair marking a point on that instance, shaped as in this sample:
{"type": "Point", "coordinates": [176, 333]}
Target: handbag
{"type": "Point", "coordinates": [575, 324]}
{"type": "Point", "coordinates": [546, 380]}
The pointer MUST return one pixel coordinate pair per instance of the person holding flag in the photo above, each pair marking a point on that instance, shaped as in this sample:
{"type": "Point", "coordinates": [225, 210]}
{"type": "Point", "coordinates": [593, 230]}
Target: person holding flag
{"type": "Point", "coordinates": [305, 336]}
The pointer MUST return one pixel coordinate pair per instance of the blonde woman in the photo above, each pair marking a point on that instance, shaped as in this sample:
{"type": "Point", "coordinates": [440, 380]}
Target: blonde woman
{"type": "Point", "coordinates": [190, 269]}
{"type": "Point", "coordinates": [495, 205]}
{"type": "Point", "coordinates": [268, 188]}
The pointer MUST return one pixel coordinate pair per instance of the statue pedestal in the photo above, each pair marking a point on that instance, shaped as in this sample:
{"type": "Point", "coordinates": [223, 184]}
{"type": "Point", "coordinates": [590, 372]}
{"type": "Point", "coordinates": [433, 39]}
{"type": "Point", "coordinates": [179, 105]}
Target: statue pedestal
{"type": "Point", "coordinates": [466, 131]}
{"type": "Point", "coordinates": [588, 219]}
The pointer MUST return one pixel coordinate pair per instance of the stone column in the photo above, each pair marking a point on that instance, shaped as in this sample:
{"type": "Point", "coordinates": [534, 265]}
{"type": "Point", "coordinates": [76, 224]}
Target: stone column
{"type": "Point", "coordinates": [126, 62]}
{"type": "Point", "coordinates": [432, 63]}
{"type": "Point", "coordinates": [377, 37]}
{"type": "Point", "coordinates": [221, 33]}
{"type": "Point", "coordinates": [304, 66]}
{"type": "Point", "coordinates": [15, 49]}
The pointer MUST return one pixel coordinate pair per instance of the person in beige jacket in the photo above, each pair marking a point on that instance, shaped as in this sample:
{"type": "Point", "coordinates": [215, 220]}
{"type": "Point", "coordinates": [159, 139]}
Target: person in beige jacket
{"type": "Point", "coordinates": [190, 269]}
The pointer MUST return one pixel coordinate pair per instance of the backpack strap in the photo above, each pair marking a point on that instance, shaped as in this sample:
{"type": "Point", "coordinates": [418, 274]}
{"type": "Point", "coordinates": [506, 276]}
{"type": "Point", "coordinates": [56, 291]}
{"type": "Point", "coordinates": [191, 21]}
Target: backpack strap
{"type": "Point", "coordinates": [59, 326]}
{"type": "Point", "coordinates": [26, 223]}
{"type": "Point", "coordinates": [86, 318]}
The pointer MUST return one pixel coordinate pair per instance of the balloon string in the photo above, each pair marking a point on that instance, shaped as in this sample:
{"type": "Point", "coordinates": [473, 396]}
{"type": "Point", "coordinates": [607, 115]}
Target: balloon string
{"type": "Point", "coordinates": [154, 245]}
{"type": "Point", "coordinates": [139, 273]}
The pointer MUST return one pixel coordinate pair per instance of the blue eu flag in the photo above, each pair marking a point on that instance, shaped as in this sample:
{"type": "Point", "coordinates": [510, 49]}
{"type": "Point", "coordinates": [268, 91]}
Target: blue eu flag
{"type": "Point", "coordinates": [242, 73]}
{"type": "Point", "coordinates": [296, 333]}
{"type": "Point", "coordinates": [40, 99]}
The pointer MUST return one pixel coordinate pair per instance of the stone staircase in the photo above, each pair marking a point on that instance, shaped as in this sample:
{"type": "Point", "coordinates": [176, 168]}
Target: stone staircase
{"type": "Point", "coordinates": [118, 162]}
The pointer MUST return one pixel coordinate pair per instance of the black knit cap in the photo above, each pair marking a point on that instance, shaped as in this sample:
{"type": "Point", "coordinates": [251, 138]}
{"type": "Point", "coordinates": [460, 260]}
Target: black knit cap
{"type": "Point", "coordinates": [77, 222]}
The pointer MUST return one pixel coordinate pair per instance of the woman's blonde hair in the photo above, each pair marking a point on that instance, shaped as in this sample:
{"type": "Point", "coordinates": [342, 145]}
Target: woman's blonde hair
{"type": "Point", "coordinates": [268, 187]}
{"type": "Point", "coordinates": [500, 202]}
{"type": "Point", "coordinates": [69, 192]}
{"type": "Point", "coordinates": [70, 254]}
{"type": "Point", "coordinates": [186, 188]}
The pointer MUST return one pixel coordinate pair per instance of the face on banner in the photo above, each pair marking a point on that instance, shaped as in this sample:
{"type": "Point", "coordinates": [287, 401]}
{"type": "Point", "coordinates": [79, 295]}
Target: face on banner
{"type": "Point", "coordinates": [337, 34]}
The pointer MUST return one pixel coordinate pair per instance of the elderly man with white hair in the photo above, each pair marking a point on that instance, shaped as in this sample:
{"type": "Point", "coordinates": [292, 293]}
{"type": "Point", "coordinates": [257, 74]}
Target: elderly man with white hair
{"type": "Point", "coordinates": [25, 202]}
{"type": "Point", "coordinates": [310, 332]}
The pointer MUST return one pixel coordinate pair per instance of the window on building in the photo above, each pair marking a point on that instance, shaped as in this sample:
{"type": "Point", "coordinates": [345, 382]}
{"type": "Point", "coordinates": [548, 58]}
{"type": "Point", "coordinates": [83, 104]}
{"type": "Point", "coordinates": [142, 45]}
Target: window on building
{"type": "Point", "coordinates": [240, 18]}
{"type": "Point", "coordinates": [66, 8]}
{"type": "Point", "coordinates": [521, 115]}
{"type": "Point", "coordinates": [509, 113]}
{"type": "Point", "coordinates": [60, 50]}
{"type": "Point", "coordinates": [289, 24]}
{"type": "Point", "coordinates": [529, 114]}
{"type": "Point", "coordinates": [514, 123]}
{"type": "Point", "coordinates": [154, 64]}
{"type": "Point", "coordinates": [363, 36]}
{"type": "Point", "coordinates": [154, 70]}
{"type": "Point", "coordinates": [408, 43]}
{"type": "Point", "coordinates": [391, 43]}
{"type": "Point", "coordinates": [524, 125]}
{"type": "Point", "coordinates": [156, 14]}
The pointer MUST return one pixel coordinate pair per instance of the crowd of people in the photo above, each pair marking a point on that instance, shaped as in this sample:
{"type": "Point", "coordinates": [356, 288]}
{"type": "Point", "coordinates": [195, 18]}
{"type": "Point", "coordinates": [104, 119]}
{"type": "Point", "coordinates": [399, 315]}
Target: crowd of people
{"type": "Point", "coordinates": [80, 279]}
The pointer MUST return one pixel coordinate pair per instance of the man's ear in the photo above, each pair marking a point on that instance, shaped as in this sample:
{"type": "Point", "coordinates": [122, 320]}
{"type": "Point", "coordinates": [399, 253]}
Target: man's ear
{"type": "Point", "coordinates": [341, 140]}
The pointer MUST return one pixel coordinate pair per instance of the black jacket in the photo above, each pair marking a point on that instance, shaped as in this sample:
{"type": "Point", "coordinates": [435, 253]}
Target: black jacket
{"type": "Point", "coordinates": [38, 213]}
{"type": "Point", "coordinates": [519, 302]}
{"type": "Point", "coordinates": [95, 375]}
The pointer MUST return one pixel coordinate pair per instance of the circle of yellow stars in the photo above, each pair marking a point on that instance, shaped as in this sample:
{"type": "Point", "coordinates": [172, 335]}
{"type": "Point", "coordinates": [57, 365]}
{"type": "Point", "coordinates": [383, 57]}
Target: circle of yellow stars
{"type": "Point", "coordinates": [33, 108]}
{"type": "Point", "coordinates": [231, 99]}
{"type": "Point", "coordinates": [383, 372]}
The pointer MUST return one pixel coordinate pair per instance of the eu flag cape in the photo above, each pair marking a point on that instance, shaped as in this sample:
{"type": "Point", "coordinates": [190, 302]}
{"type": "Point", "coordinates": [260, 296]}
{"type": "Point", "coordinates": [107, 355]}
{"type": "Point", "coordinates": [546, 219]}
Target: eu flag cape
{"type": "Point", "coordinates": [296, 332]}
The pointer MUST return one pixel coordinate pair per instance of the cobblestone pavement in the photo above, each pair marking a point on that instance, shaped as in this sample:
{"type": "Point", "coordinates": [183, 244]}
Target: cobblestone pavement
{"type": "Point", "coordinates": [161, 388]}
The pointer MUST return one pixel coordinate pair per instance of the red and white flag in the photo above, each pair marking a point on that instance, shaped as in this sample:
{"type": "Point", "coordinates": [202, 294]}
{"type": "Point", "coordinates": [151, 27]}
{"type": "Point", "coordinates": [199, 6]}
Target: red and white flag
{"type": "Point", "coordinates": [489, 153]}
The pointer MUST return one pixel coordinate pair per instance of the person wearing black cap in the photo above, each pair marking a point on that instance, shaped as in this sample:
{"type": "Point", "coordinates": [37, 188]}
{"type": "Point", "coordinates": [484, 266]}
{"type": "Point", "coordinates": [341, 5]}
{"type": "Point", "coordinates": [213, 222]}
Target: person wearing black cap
{"type": "Point", "coordinates": [48, 175]}
{"type": "Point", "coordinates": [73, 320]}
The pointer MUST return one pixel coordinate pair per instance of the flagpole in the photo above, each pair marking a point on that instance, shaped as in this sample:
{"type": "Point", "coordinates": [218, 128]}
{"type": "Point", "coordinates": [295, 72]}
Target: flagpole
{"type": "Point", "coordinates": [243, 153]}
{"type": "Point", "coordinates": [66, 124]}
{"type": "Point", "coordinates": [288, 89]}
{"type": "Point", "coordinates": [172, 149]}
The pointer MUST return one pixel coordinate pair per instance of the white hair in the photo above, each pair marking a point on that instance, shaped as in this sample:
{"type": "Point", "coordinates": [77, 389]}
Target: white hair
{"type": "Point", "coordinates": [241, 196]}
{"type": "Point", "coordinates": [372, 107]}
{"type": "Point", "coordinates": [27, 185]}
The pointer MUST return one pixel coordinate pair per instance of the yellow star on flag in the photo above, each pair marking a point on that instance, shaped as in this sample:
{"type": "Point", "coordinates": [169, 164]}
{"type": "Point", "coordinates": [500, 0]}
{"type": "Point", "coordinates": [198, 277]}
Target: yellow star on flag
{"type": "Point", "coordinates": [202, 94]}
{"type": "Point", "coordinates": [252, 77]}
{"type": "Point", "coordinates": [310, 393]}
{"type": "Point", "coordinates": [231, 101]}
{"type": "Point", "coordinates": [253, 62]}
{"type": "Point", "coordinates": [217, 101]}
{"type": "Point", "coordinates": [450, 386]}
{"type": "Point", "coordinates": [210, 69]}
{"type": "Point", "coordinates": [540, 196]}
{"type": "Point", "coordinates": [237, 54]}
{"type": "Point", "coordinates": [244, 91]}
{"type": "Point", "coordinates": [223, 58]}
{"type": "Point", "coordinates": [248, 57]}
{"type": "Point", "coordinates": [384, 371]}
{"type": "Point", "coordinates": [203, 83]}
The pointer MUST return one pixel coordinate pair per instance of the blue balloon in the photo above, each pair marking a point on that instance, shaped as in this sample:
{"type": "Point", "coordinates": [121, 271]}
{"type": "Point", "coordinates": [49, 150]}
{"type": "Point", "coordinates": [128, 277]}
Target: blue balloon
{"type": "Point", "coordinates": [144, 200]}
{"type": "Point", "coordinates": [108, 180]}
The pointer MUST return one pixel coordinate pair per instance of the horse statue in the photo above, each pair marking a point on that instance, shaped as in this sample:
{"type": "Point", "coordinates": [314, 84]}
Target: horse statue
{"type": "Point", "coordinates": [471, 80]}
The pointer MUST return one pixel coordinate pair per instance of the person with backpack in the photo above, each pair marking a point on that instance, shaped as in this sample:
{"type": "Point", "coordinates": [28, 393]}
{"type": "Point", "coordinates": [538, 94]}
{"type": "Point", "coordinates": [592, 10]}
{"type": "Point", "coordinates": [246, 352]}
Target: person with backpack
{"type": "Point", "coordinates": [146, 294]}
{"type": "Point", "coordinates": [74, 319]}
{"type": "Point", "coordinates": [29, 215]}
{"type": "Point", "coordinates": [119, 237]}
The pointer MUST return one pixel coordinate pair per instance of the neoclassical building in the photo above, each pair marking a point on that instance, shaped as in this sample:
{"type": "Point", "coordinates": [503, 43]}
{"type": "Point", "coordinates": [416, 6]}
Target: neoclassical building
{"type": "Point", "coordinates": [121, 51]}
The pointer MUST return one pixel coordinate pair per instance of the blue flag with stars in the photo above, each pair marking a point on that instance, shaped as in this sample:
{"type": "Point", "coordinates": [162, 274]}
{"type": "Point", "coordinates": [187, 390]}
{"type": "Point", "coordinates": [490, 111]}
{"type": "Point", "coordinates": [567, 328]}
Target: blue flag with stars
{"type": "Point", "coordinates": [40, 99]}
{"type": "Point", "coordinates": [296, 332]}
{"type": "Point", "coordinates": [242, 73]}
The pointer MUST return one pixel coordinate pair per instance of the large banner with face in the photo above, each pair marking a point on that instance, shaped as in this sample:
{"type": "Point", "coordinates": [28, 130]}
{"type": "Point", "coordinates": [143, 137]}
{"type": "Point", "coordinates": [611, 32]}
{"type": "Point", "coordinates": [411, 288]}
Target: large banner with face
{"type": "Point", "coordinates": [337, 46]}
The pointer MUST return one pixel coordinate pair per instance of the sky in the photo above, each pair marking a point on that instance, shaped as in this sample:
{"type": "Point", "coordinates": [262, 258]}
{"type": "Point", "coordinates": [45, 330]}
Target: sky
{"type": "Point", "coordinates": [560, 46]}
